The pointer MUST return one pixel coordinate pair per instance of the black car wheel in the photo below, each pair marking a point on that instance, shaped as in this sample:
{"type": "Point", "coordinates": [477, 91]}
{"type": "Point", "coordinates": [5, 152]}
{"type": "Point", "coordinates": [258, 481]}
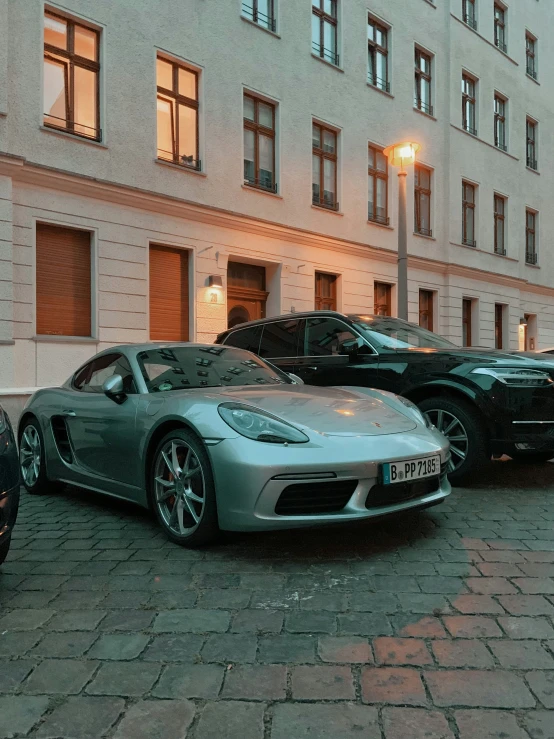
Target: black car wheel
{"type": "Point", "coordinates": [182, 490]}
{"type": "Point", "coordinates": [532, 457]}
{"type": "Point", "coordinates": [4, 549]}
{"type": "Point", "coordinates": [32, 460]}
{"type": "Point", "coordinates": [463, 429]}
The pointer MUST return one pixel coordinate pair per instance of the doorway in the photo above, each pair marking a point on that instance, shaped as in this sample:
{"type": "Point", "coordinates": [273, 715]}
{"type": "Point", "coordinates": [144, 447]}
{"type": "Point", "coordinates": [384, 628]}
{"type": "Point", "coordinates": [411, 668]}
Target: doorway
{"type": "Point", "coordinates": [246, 293]}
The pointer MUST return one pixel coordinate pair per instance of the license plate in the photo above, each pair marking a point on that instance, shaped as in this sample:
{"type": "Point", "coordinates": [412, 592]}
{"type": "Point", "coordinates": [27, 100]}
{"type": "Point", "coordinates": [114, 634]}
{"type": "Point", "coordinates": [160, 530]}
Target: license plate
{"type": "Point", "coordinates": [410, 469]}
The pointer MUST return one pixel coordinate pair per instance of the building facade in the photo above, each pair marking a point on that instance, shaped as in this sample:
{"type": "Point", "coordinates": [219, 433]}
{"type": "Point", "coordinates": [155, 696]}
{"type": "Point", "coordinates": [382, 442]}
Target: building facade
{"type": "Point", "coordinates": [168, 169]}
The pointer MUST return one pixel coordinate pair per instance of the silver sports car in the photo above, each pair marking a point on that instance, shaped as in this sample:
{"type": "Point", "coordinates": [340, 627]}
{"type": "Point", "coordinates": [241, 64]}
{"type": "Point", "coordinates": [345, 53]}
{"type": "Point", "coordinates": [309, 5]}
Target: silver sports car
{"type": "Point", "coordinates": [213, 437]}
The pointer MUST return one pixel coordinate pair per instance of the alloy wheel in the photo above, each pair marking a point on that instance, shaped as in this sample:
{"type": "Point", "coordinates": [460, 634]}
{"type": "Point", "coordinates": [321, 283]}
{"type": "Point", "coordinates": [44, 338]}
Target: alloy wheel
{"type": "Point", "coordinates": [179, 487]}
{"type": "Point", "coordinates": [29, 455]}
{"type": "Point", "coordinates": [454, 430]}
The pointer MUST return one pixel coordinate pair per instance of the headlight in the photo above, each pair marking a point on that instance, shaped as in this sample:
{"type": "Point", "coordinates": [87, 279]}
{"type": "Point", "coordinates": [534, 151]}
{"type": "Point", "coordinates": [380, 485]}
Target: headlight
{"type": "Point", "coordinates": [516, 377]}
{"type": "Point", "coordinates": [415, 412]}
{"type": "Point", "coordinates": [259, 425]}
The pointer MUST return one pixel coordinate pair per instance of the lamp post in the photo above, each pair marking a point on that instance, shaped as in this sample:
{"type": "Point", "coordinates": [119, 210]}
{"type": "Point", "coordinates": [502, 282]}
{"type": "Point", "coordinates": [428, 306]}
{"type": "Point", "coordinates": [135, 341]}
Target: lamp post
{"type": "Point", "coordinates": [401, 155]}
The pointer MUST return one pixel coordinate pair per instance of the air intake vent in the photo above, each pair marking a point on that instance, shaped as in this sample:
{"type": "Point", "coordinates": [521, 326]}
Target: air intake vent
{"type": "Point", "coordinates": [311, 499]}
{"type": "Point", "coordinates": [400, 492]}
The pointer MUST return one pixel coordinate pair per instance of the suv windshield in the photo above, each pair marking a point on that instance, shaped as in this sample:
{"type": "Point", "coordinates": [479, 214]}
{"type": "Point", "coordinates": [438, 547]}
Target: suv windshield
{"type": "Point", "coordinates": [392, 333]}
{"type": "Point", "coordinates": [188, 367]}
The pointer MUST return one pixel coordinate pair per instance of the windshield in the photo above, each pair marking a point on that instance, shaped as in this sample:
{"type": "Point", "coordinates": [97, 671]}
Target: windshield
{"type": "Point", "coordinates": [188, 367]}
{"type": "Point", "coordinates": [391, 333]}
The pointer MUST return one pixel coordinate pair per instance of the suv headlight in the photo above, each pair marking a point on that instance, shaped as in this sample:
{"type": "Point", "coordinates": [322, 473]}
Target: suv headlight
{"type": "Point", "coordinates": [416, 414]}
{"type": "Point", "coordinates": [516, 376]}
{"type": "Point", "coordinates": [259, 425]}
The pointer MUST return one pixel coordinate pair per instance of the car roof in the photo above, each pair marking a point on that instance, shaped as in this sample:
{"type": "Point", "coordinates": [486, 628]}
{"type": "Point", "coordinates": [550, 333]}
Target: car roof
{"type": "Point", "coordinates": [310, 314]}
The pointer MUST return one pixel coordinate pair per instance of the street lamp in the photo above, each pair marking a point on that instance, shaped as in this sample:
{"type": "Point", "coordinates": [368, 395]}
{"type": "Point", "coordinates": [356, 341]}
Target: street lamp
{"type": "Point", "coordinates": [401, 155]}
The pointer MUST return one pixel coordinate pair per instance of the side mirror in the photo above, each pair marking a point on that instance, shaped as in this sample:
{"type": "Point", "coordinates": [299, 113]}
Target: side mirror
{"type": "Point", "coordinates": [296, 380]}
{"type": "Point", "coordinates": [113, 388]}
{"type": "Point", "coordinates": [351, 347]}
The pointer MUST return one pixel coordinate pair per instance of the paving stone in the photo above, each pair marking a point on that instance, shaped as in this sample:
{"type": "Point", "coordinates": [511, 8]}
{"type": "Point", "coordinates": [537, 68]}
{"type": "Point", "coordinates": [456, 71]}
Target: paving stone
{"type": "Point", "coordinates": [25, 619]}
{"type": "Point", "coordinates": [18, 713]}
{"type": "Point", "coordinates": [490, 586]}
{"type": "Point", "coordinates": [405, 624]}
{"type": "Point", "coordinates": [521, 655]}
{"type": "Point", "coordinates": [127, 620]}
{"type": "Point", "coordinates": [60, 645]}
{"type": "Point", "coordinates": [415, 723]}
{"type": "Point", "coordinates": [535, 585]}
{"type": "Point", "coordinates": [476, 604]}
{"type": "Point", "coordinates": [488, 725]}
{"type": "Point", "coordinates": [174, 648]}
{"type": "Point", "coordinates": [479, 688]}
{"type": "Point", "coordinates": [17, 643]}
{"type": "Point", "coordinates": [393, 685]}
{"type": "Point", "coordinates": [542, 685]}
{"type": "Point", "coordinates": [470, 627]}
{"type": "Point", "coordinates": [194, 620]}
{"type": "Point", "coordinates": [258, 621]}
{"type": "Point", "coordinates": [224, 598]}
{"type": "Point", "coordinates": [462, 653]}
{"type": "Point", "coordinates": [364, 624]}
{"type": "Point", "coordinates": [347, 649]}
{"type": "Point", "coordinates": [527, 605]}
{"type": "Point", "coordinates": [286, 648]}
{"type": "Point", "coordinates": [76, 621]}
{"type": "Point", "coordinates": [167, 599]}
{"type": "Point", "coordinates": [231, 720]}
{"type": "Point", "coordinates": [400, 651]}
{"type": "Point", "coordinates": [118, 646]}
{"type": "Point", "coordinates": [325, 721]}
{"type": "Point", "coordinates": [77, 599]}
{"type": "Point", "coordinates": [310, 622]}
{"type": "Point", "coordinates": [525, 627]}
{"type": "Point", "coordinates": [63, 676]}
{"type": "Point", "coordinates": [535, 569]}
{"type": "Point", "coordinates": [500, 569]}
{"type": "Point", "coordinates": [395, 584]}
{"type": "Point", "coordinates": [539, 724]}
{"type": "Point", "coordinates": [423, 603]}
{"type": "Point", "coordinates": [32, 599]}
{"type": "Point", "coordinates": [149, 719]}
{"type": "Point", "coordinates": [314, 682]}
{"type": "Point", "coordinates": [190, 681]}
{"type": "Point", "coordinates": [323, 601]}
{"type": "Point", "coordinates": [230, 648]}
{"type": "Point", "coordinates": [13, 672]}
{"type": "Point", "coordinates": [374, 602]}
{"type": "Point", "coordinates": [255, 682]}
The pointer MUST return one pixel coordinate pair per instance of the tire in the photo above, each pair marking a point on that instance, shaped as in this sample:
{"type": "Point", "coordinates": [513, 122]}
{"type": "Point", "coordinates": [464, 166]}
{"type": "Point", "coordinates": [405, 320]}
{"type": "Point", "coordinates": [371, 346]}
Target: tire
{"type": "Point", "coordinates": [4, 549]}
{"type": "Point", "coordinates": [532, 457]}
{"type": "Point", "coordinates": [183, 498]}
{"type": "Point", "coordinates": [464, 429]}
{"type": "Point", "coordinates": [32, 459]}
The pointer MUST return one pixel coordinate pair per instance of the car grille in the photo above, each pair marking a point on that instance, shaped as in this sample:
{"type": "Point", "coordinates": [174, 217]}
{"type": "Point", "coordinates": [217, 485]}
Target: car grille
{"type": "Point", "coordinates": [400, 492]}
{"type": "Point", "coordinates": [313, 498]}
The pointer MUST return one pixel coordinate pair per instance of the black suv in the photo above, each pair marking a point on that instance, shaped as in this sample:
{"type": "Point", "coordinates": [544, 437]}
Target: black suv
{"type": "Point", "coordinates": [9, 484]}
{"type": "Point", "coordinates": [486, 402]}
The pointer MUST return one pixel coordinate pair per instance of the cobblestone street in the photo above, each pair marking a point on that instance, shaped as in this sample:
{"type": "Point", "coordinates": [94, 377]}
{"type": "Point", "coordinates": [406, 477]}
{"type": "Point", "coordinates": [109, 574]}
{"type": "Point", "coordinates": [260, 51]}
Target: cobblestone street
{"type": "Point", "coordinates": [435, 625]}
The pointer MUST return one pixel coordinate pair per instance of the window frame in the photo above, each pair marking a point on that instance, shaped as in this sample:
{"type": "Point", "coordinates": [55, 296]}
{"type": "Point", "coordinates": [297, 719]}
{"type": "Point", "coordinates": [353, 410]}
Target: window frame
{"type": "Point", "coordinates": [469, 103]}
{"type": "Point", "coordinates": [420, 76]}
{"type": "Point", "coordinates": [419, 191]}
{"type": "Point", "coordinates": [500, 106]}
{"type": "Point", "coordinates": [429, 311]}
{"type": "Point", "coordinates": [323, 155]}
{"type": "Point", "coordinates": [318, 10]}
{"type": "Point", "coordinates": [319, 298]}
{"type": "Point", "coordinates": [531, 255]}
{"type": "Point", "coordinates": [469, 13]}
{"type": "Point", "coordinates": [531, 144]}
{"type": "Point", "coordinates": [373, 49]}
{"type": "Point", "coordinates": [531, 54]}
{"type": "Point", "coordinates": [51, 52]}
{"type": "Point", "coordinates": [499, 325]}
{"type": "Point", "coordinates": [467, 320]}
{"type": "Point", "coordinates": [259, 129]}
{"type": "Point", "coordinates": [175, 99]}
{"type": "Point", "coordinates": [468, 207]}
{"type": "Point", "coordinates": [500, 27]}
{"type": "Point", "coordinates": [499, 217]}
{"type": "Point", "coordinates": [388, 296]}
{"type": "Point", "coordinates": [114, 357]}
{"type": "Point", "coordinates": [271, 21]}
{"type": "Point", "coordinates": [376, 174]}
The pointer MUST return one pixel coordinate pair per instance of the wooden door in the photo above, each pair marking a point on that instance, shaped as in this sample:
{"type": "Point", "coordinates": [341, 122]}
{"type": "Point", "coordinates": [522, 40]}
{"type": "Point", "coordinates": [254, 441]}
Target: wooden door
{"type": "Point", "coordinates": [246, 293]}
{"type": "Point", "coordinates": [169, 294]}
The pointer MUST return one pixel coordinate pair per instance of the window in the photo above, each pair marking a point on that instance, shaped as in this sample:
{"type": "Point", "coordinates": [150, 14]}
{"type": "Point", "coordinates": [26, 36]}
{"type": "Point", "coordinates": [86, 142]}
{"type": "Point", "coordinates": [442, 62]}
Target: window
{"type": "Point", "coordinates": [469, 14]}
{"type": "Point", "coordinates": [325, 291]}
{"type": "Point", "coordinates": [499, 224]}
{"type": "Point", "coordinates": [280, 339]}
{"type": "Point", "coordinates": [531, 256]}
{"type": "Point", "coordinates": [71, 77]}
{"type": "Point", "coordinates": [261, 12]}
{"type": "Point", "coordinates": [498, 326]}
{"type": "Point", "coordinates": [324, 167]}
{"type": "Point", "coordinates": [468, 214]}
{"type": "Point", "coordinates": [377, 55]}
{"type": "Point", "coordinates": [177, 107]}
{"type": "Point", "coordinates": [169, 293]}
{"type": "Point", "coordinates": [246, 338]}
{"type": "Point", "coordinates": [63, 281]}
{"type": "Point", "coordinates": [500, 123]}
{"type": "Point", "coordinates": [382, 299]}
{"type": "Point", "coordinates": [259, 143]}
{"type": "Point", "coordinates": [422, 200]}
{"type": "Point", "coordinates": [468, 104]}
{"type": "Point", "coordinates": [324, 336]}
{"type": "Point", "coordinates": [377, 186]}
{"type": "Point", "coordinates": [246, 293]}
{"type": "Point", "coordinates": [324, 30]}
{"type": "Point", "coordinates": [422, 94]}
{"type": "Point", "coordinates": [426, 318]}
{"type": "Point", "coordinates": [531, 128]}
{"type": "Point", "coordinates": [531, 55]}
{"type": "Point", "coordinates": [500, 27]}
{"type": "Point", "coordinates": [92, 376]}
{"type": "Point", "coordinates": [467, 311]}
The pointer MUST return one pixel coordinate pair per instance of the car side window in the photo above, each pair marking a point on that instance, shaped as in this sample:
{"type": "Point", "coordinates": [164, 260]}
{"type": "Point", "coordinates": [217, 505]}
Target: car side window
{"type": "Point", "coordinates": [246, 338]}
{"type": "Point", "coordinates": [280, 339]}
{"type": "Point", "coordinates": [92, 377]}
{"type": "Point", "coordinates": [324, 336]}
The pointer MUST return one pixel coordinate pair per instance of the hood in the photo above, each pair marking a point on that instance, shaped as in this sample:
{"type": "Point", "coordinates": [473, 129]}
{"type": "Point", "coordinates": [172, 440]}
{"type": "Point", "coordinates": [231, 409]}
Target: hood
{"type": "Point", "coordinates": [327, 411]}
{"type": "Point", "coordinates": [481, 356]}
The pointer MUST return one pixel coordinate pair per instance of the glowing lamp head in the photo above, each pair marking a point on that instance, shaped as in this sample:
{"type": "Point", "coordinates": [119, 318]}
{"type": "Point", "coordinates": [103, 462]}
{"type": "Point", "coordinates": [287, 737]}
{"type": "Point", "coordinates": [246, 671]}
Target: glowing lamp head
{"type": "Point", "coordinates": [400, 155]}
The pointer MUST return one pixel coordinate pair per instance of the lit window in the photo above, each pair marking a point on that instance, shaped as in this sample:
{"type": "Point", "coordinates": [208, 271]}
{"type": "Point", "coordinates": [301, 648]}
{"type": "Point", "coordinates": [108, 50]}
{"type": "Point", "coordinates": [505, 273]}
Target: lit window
{"type": "Point", "coordinates": [422, 200]}
{"type": "Point", "coordinates": [259, 143]}
{"type": "Point", "coordinates": [377, 186]}
{"type": "Point", "coordinates": [177, 114]}
{"type": "Point", "coordinates": [324, 167]}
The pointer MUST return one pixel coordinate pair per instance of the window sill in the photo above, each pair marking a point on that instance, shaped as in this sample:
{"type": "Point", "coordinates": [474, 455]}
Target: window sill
{"type": "Point", "coordinates": [54, 338]}
{"type": "Point", "coordinates": [378, 89]}
{"type": "Point", "coordinates": [380, 225]}
{"type": "Point", "coordinates": [533, 266]}
{"type": "Point", "coordinates": [322, 209]}
{"type": "Point", "coordinates": [422, 112]}
{"type": "Point", "coordinates": [329, 64]}
{"type": "Point", "coordinates": [534, 171]}
{"type": "Point", "coordinates": [73, 137]}
{"type": "Point", "coordinates": [486, 143]}
{"type": "Point", "coordinates": [529, 77]}
{"type": "Point", "coordinates": [258, 25]}
{"type": "Point", "coordinates": [431, 3]}
{"type": "Point", "coordinates": [198, 173]}
{"type": "Point", "coordinates": [250, 188]}
{"type": "Point", "coordinates": [482, 251]}
{"type": "Point", "coordinates": [429, 238]}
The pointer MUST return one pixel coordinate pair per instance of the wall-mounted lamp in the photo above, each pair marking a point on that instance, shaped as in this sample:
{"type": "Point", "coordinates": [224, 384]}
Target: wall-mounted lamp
{"type": "Point", "coordinates": [523, 322]}
{"type": "Point", "coordinates": [215, 281]}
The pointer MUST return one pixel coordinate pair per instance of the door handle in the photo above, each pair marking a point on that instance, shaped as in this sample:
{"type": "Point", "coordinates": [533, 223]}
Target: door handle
{"type": "Point", "coordinates": [69, 413]}
{"type": "Point", "coordinates": [314, 369]}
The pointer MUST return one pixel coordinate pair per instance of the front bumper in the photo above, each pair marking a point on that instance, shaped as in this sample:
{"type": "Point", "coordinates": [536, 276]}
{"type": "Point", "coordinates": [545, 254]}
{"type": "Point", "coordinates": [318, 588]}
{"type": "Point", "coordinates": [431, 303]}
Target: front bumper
{"type": "Point", "coordinates": [251, 477]}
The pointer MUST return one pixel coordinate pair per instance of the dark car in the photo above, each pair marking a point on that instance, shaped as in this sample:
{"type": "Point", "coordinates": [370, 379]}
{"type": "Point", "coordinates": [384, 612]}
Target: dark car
{"type": "Point", "coordinates": [9, 483]}
{"type": "Point", "coordinates": [486, 402]}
